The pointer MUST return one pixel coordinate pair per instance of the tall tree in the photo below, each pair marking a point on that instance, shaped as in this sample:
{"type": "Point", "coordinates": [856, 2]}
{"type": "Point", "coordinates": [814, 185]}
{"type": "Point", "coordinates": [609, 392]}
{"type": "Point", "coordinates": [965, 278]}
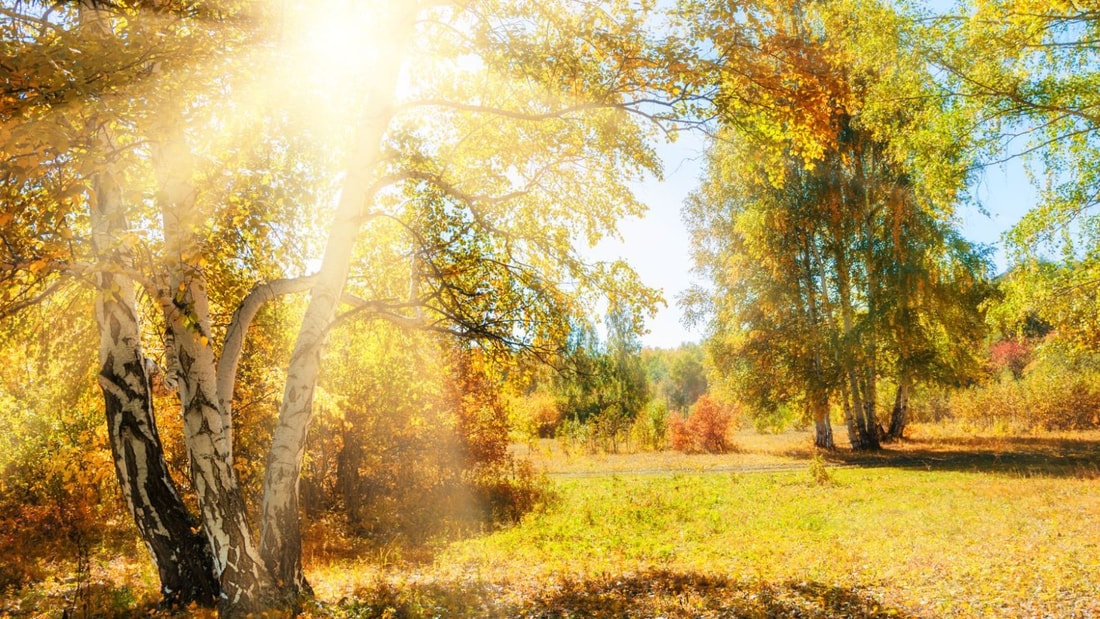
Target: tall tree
{"type": "Point", "coordinates": [516, 158]}
{"type": "Point", "coordinates": [1028, 73]}
{"type": "Point", "coordinates": [809, 220]}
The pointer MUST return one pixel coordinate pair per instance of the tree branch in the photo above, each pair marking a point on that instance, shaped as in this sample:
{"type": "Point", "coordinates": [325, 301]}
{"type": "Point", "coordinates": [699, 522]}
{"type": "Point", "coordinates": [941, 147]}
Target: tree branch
{"type": "Point", "coordinates": [238, 328]}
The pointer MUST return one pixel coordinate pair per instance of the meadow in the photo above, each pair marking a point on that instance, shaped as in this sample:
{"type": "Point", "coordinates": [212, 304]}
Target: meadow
{"type": "Point", "coordinates": [938, 526]}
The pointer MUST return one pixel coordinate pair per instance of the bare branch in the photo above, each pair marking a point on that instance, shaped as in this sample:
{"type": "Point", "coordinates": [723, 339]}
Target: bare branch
{"type": "Point", "coordinates": [19, 306]}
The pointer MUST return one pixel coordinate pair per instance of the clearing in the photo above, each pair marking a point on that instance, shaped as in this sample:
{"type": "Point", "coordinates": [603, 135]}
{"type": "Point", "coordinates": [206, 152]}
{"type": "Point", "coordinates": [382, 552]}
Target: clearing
{"type": "Point", "coordinates": [937, 526]}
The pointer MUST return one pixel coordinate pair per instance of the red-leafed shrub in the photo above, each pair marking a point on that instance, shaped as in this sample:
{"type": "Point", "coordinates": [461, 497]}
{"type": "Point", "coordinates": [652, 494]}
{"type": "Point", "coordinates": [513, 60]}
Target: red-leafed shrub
{"type": "Point", "coordinates": [1011, 355]}
{"type": "Point", "coordinates": [678, 436]}
{"type": "Point", "coordinates": [706, 429]}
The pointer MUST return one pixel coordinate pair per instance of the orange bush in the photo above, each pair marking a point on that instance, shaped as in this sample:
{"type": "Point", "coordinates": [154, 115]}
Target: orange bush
{"type": "Point", "coordinates": [706, 429]}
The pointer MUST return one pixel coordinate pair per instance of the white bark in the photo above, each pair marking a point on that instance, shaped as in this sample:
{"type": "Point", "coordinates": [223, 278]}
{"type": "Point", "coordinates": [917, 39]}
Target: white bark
{"type": "Point", "coordinates": [246, 584]}
{"type": "Point", "coordinates": [281, 539]}
{"type": "Point", "coordinates": [238, 328]}
{"type": "Point", "coordinates": [181, 556]}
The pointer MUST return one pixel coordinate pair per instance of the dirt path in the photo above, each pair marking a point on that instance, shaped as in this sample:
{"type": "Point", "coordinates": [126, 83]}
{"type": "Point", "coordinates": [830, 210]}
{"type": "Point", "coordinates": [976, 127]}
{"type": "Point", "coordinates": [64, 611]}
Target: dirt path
{"type": "Point", "coordinates": [1077, 457]}
{"type": "Point", "coordinates": [902, 463]}
{"type": "Point", "coordinates": [747, 468]}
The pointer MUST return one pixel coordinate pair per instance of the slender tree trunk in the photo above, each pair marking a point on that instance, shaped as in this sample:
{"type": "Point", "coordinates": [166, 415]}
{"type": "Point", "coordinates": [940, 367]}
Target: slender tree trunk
{"type": "Point", "coordinates": [823, 428]}
{"type": "Point", "coordinates": [347, 477]}
{"type": "Point", "coordinates": [818, 396]}
{"type": "Point", "coordinates": [247, 586]}
{"type": "Point", "coordinates": [281, 541]}
{"type": "Point", "coordinates": [854, 414]}
{"type": "Point", "coordinates": [182, 555]}
{"type": "Point", "coordinates": [870, 426]}
{"type": "Point", "coordinates": [855, 403]}
{"type": "Point", "coordinates": [899, 418]}
{"type": "Point", "coordinates": [873, 438]}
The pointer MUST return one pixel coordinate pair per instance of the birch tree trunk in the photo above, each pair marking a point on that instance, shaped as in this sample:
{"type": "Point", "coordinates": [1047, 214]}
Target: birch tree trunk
{"type": "Point", "coordinates": [246, 585]}
{"type": "Point", "coordinates": [872, 435]}
{"type": "Point", "coordinates": [181, 554]}
{"type": "Point", "coordinates": [281, 542]}
{"type": "Point", "coordinates": [823, 427]}
{"type": "Point", "coordinates": [818, 395]}
{"type": "Point", "coordinates": [871, 428]}
{"type": "Point", "coordinates": [855, 398]}
{"type": "Point", "coordinates": [899, 418]}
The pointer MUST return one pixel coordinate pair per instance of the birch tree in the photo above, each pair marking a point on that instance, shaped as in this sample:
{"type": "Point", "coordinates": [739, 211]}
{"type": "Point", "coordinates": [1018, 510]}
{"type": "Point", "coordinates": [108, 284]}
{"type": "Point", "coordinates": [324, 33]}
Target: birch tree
{"type": "Point", "coordinates": [490, 158]}
{"type": "Point", "coordinates": [820, 223]}
{"type": "Point", "coordinates": [1028, 73]}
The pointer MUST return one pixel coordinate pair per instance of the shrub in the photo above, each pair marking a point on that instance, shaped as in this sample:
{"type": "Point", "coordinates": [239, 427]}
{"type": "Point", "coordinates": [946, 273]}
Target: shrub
{"type": "Point", "coordinates": [1047, 397]}
{"type": "Point", "coordinates": [543, 414]}
{"type": "Point", "coordinates": [412, 441]}
{"type": "Point", "coordinates": [1011, 356]}
{"type": "Point", "coordinates": [706, 429]}
{"type": "Point", "coordinates": [678, 436]}
{"type": "Point", "coordinates": [929, 404]}
{"type": "Point", "coordinates": [651, 426]}
{"type": "Point", "coordinates": [778, 419]}
{"type": "Point", "coordinates": [819, 473]}
{"type": "Point", "coordinates": [610, 429]}
{"type": "Point", "coordinates": [606, 432]}
{"type": "Point", "coordinates": [508, 490]}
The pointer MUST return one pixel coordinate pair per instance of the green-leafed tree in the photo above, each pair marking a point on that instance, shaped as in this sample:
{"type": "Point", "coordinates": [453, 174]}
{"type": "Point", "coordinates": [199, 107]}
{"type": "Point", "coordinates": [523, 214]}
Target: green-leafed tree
{"type": "Point", "coordinates": [677, 377]}
{"type": "Point", "coordinates": [1029, 73]}
{"type": "Point", "coordinates": [603, 384]}
{"type": "Point", "coordinates": [817, 221]}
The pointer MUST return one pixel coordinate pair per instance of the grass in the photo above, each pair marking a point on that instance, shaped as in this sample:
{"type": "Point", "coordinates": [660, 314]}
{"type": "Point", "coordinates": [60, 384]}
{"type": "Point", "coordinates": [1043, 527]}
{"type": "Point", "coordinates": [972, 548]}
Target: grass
{"type": "Point", "coordinates": [939, 526]}
{"type": "Point", "coordinates": [914, 543]}
{"type": "Point", "coordinates": [934, 527]}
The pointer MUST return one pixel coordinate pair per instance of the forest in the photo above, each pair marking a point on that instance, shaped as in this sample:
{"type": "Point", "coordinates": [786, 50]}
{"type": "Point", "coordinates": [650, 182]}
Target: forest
{"type": "Point", "coordinates": [299, 314]}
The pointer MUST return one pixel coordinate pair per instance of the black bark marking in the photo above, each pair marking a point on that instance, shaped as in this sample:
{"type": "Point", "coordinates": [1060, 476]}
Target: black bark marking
{"type": "Point", "coordinates": [183, 556]}
{"type": "Point", "coordinates": [186, 361]}
{"type": "Point", "coordinates": [114, 327]}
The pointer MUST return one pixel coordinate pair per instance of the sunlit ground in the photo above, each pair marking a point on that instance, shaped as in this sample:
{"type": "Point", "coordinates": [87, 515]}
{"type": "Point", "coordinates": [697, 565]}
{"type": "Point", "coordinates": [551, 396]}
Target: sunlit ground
{"type": "Point", "coordinates": [985, 525]}
{"type": "Point", "coordinates": [944, 525]}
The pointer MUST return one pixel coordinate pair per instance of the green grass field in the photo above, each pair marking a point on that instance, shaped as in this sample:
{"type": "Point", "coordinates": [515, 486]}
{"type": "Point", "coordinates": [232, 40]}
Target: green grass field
{"type": "Point", "coordinates": [981, 527]}
{"type": "Point", "coordinates": [938, 526]}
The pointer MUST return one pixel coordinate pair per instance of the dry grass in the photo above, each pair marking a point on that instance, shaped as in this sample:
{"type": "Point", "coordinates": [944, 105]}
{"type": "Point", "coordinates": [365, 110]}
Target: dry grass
{"type": "Point", "coordinates": [942, 525]}
{"type": "Point", "coordinates": [751, 451]}
{"type": "Point", "coordinates": [873, 543]}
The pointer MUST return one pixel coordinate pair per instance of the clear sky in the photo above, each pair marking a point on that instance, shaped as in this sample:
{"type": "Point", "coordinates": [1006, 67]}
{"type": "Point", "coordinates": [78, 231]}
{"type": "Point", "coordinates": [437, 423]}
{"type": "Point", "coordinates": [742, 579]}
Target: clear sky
{"type": "Point", "coordinates": [658, 248]}
{"type": "Point", "coordinates": [657, 245]}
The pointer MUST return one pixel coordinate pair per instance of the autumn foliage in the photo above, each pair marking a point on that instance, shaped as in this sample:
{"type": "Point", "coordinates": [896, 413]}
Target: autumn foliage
{"type": "Point", "coordinates": [412, 443]}
{"type": "Point", "coordinates": [1011, 355]}
{"type": "Point", "coordinates": [704, 430]}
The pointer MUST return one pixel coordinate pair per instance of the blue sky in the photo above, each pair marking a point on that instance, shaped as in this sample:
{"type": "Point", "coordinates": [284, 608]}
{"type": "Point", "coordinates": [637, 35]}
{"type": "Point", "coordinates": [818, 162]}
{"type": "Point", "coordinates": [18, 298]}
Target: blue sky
{"type": "Point", "coordinates": [658, 248]}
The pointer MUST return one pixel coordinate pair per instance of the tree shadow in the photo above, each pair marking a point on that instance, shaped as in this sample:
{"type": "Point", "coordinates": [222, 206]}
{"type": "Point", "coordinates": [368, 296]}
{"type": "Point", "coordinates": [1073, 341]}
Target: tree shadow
{"type": "Point", "coordinates": [1014, 456]}
{"type": "Point", "coordinates": [650, 594]}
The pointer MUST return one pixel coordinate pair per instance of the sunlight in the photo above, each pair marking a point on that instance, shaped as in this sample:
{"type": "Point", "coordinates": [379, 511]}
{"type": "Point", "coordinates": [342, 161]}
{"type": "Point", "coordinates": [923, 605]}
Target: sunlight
{"type": "Point", "coordinates": [331, 50]}
{"type": "Point", "coordinates": [338, 42]}
{"type": "Point", "coordinates": [294, 296]}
